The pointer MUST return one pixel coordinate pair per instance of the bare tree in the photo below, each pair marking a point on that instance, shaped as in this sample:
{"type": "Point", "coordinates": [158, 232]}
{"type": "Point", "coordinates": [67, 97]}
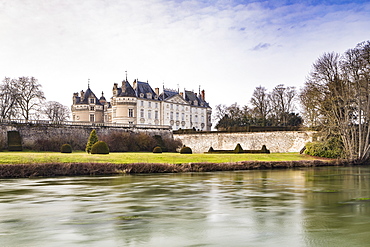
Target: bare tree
{"type": "Point", "coordinates": [55, 111]}
{"type": "Point", "coordinates": [261, 103]}
{"type": "Point", "coordinates": [309, 101]}
{"type": "Point", "coordinates": [340, 86]}
{"type": "Point", "coordinates": [220, 112]}
{"type": "Point", "coordinates": [8, 98]}
{"type": "Point", "coordinates": [30, 96]}
{"type": "Point", "coordinates": [281, 99]}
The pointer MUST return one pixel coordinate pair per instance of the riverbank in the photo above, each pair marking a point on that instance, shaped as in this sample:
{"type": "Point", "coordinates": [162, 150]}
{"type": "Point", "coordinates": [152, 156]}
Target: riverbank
{"type": "Point", "coordinates": [99, 169]}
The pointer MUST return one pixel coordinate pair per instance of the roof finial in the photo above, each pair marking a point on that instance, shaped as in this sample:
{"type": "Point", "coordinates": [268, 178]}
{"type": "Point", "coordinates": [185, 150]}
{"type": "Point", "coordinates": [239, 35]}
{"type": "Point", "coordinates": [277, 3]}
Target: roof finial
{"type": "Point", "coordinates": [88, 83]}
{"type": "Point", "coordinates": [126, 75]}
{"type": "Point", "coordinates": [199, 89]}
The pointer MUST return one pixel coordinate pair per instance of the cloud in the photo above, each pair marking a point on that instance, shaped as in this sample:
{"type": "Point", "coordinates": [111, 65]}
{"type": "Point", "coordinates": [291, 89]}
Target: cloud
{"type": "Point", "coordinates": [261, 46]}
{"type": "Point", "coordinates": [188, 42]}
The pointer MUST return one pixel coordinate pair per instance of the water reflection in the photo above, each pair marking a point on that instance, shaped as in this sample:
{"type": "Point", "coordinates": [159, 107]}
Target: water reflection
{"type": "Point", "coordinates": [303, 207]}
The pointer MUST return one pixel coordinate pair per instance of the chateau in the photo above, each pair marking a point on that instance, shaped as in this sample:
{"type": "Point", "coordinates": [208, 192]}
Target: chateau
{"type": "Point", "coordinates": [139, 105]}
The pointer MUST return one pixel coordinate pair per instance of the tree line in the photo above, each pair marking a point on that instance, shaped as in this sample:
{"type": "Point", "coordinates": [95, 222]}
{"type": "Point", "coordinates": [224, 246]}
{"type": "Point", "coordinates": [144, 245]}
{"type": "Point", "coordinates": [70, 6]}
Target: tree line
{"type": "Point", "coordinates": [275, 108]}
{"type": "Point", "coordinates": [23, 98]}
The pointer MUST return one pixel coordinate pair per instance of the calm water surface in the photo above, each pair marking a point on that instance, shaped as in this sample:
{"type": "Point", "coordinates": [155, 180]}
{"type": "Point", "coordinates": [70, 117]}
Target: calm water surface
{"type": "Point", "coordinates": [308, 207]}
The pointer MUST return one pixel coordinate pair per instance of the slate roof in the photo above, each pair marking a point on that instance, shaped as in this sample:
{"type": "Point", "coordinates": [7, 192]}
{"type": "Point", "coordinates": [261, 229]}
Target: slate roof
{"type": "Point", "coordinates": [126, 90]}
{"type": "Point", "coordinates": [168, 93]}
{"type": "Point", "coordinates": [85, 100]}
{"type": "Point", "coordinates": [190, 97]}
{"type": "Point", "coordinates": [144, 88]}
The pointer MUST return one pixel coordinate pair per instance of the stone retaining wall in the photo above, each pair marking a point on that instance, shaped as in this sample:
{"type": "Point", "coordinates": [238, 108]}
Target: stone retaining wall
{"type": "Point", "coordinates": [32, 132]}
{"type": "Point", "coordinates": [276, 142]}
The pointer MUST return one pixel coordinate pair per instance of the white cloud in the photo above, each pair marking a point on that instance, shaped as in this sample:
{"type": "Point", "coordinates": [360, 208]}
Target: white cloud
{"type": "Point", "coordinates": [227, 47]}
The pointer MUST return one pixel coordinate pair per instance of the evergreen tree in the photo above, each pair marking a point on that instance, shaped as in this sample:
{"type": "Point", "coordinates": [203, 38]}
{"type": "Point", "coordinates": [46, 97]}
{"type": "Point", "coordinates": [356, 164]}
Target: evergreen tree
{"type": "Point", "coordinates": [93, 138]}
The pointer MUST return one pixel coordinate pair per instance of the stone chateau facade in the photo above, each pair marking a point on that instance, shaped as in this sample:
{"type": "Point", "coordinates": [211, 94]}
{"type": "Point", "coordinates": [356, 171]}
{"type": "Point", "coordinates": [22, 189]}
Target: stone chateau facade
{"type": "Point", "coordinates": [139, 105]}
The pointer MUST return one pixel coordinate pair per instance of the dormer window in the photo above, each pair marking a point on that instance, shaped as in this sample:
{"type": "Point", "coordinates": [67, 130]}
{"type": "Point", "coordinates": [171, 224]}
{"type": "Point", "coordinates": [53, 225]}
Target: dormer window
{"type": "Point", "coordinates": [195, 102]}
{"type": "Point", "coordinates": [156, 97]}
{"type": "Point", "coordinates": [92, 108]}
{"type": "Point", "coordinates": [141, 95]}
{"type": "Point", "coordinates": [148, 95]}
{"type": "Point", "coordinates": [92, 101]}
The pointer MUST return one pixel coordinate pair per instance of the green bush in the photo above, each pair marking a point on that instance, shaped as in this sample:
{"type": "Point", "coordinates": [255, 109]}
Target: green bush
{"type": "Point", "coordinates": [264, 149]}
{"type": "Point", "coordinates": [186, 150]}
{"type": "Point", "coordinates": [157, 150]}
{"type": "Point", "coordinates": [100, 147]}
{"type": "Point", "coordinates": [238, 148]}
{"type": "Point", "coordinates": [329, 148]}
{"type": "Point", "coordinates": [93, 138]}
{"type": "Point", "coordinates": [66, 148]}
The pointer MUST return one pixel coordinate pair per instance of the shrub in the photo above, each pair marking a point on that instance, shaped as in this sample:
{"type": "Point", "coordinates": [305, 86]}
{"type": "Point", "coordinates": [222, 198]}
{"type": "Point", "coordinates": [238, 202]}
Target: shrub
{"type": "Point", "coordinates": [145, 142]}
{"type": "Point", "coordinates": [66, 148]}
{"type": "Point", "coordinates": [172, 145]}
{"type": "Point", "coordinates": [329, 148]}
{"type": "Point", "coordinates": [100, 147]}
{"type": "Point", "coordinates": [186, 150]}
{"type": "Point", "coordinates": [264, 149]}
{"type": "Point", "coordinates": [157, 150]}
{"type": "Point", "coordinates": [93, 138]}
{"type": "Point", "coordinates": [54, 143]}
{"type": "Point", "coordinates": [238, 148]}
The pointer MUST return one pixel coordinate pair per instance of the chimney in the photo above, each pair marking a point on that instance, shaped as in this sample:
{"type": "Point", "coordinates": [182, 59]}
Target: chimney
{"type": "Point", "coordinates": [182, 94]}
{"type": "Point", "coordinates": [82, 94]}
{"type": "Point", "coordinates": [115, 88]}
{"type": "Point", "coordinates": [203, 95]}
{"type": "Point", "coordinates": [75, 95]}
{"type": "Point", "coordinates": [156, 91]}
{"type": "Point", "coordinates": [134, 85]}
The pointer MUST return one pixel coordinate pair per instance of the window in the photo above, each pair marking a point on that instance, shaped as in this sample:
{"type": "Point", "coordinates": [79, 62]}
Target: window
{"type": "Point", "coordinates": [182, 116]}
{"type": "Point", "coordinates": [150, 104]}
{"type": "Point", "coordinates": [142, 113]}
{"type": "Point", "coordinates": [171, 115]}
{"type": "Point", "coordinates": [156, 114]}
{"type": "Point", "coordinates": [142, 103]}
{"type": "Point", "coordinates": [177, 107]}
{"type": "Point", "coordinates": [130, 112]}
{"type": "Point", "coordinates": [92, 118]}
{"type": "Point", "coordinates": [92, 108]}
{"type": "Point", "coordinates": [156, 105]}
{"type": "Point", "coordinates": [177, 116]}
{"type": "Point", "coordinates": [92, 101]}
{"type": "Point", "coordinates": [149, 114]}
{"type": "Point", "coordinates": [171, 106]}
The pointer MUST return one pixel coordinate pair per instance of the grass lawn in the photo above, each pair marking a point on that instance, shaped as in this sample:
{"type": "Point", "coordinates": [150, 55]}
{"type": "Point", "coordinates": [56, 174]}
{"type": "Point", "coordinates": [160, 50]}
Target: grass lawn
{"type": "Point", "coordinates": [29, 157]}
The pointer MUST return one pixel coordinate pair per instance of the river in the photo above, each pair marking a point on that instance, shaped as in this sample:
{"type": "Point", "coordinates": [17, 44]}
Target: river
{"type": "Point", "coordinates": [327, 206]}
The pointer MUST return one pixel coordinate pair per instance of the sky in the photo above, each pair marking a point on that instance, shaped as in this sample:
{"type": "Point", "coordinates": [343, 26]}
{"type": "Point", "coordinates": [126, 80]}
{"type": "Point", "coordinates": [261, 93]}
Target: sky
{"type": "Point", "coordinates": [226, 47]}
